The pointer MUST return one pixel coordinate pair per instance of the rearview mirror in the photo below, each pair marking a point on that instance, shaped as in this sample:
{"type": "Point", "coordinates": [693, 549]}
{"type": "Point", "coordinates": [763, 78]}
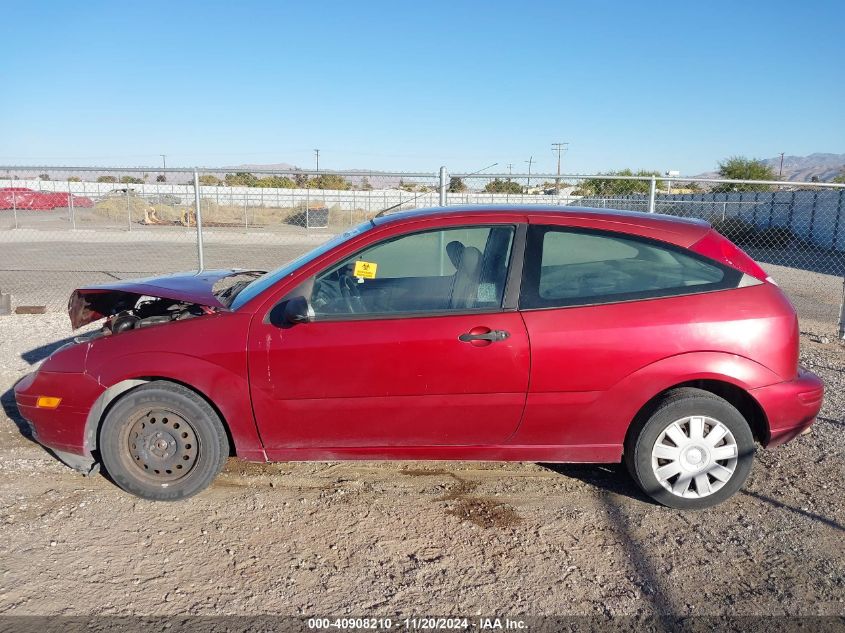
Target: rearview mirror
{"type": "Point", "coordinates": [297, 310]}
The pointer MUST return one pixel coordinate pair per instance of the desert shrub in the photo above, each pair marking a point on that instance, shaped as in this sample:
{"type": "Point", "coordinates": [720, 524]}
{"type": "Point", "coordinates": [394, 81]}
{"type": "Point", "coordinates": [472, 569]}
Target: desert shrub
{"type": "Point", "coordinates": [344, 218]}
{"type": "Point", "coordinates": [116, 208]}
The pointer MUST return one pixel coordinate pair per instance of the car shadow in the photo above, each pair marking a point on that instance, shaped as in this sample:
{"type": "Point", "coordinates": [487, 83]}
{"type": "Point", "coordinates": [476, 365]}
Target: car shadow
{"type": "Point", "coordinates": [37, 354]}
{"type": "Point", "coordinates": [608, 477]}
{"type": "Point", "coordinates": [10, 408]}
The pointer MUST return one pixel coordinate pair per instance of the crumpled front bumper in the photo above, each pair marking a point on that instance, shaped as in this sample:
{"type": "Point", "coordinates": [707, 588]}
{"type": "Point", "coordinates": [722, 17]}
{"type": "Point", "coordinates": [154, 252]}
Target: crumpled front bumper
{"type": "Point", "coordinates": [791, 407]}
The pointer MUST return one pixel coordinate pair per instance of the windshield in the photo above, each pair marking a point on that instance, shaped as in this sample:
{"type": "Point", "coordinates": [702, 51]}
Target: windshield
{"type": "Point", "coordinates": [261, 284]}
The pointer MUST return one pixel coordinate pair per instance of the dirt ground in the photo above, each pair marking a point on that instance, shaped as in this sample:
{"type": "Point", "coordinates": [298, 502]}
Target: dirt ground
{"type": "Point", "coordinates": [419, 538]}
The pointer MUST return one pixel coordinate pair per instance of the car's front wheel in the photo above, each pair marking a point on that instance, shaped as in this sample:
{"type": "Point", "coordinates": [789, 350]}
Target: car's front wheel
{"type": "Point", "coordinates": [161, 441]}
{"type": "Point", "coordinates": [695, 450]}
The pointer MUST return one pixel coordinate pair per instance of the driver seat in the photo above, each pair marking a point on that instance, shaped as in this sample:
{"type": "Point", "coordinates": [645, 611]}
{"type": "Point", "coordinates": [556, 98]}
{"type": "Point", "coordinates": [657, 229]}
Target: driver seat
{"type": "Point", "coordinates": [465, 284]}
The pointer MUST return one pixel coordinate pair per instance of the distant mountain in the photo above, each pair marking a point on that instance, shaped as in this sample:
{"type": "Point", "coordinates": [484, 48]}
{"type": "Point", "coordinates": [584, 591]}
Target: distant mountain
{"type": "Point", "coordinates": [376, 179]}
{"type": "Point", "coordinates": [802, 168]}
{"type": "Point", "coordinates": [824, 166]}
{"type": "Point", "coordinates": [273, 166]}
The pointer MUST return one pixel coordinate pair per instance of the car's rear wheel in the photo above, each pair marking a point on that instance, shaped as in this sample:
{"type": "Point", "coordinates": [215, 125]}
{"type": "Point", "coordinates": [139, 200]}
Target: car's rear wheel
{"type": "Point", "coordinates": [161, 441]}
{"type": "Point", "coordinates": [695, 450]}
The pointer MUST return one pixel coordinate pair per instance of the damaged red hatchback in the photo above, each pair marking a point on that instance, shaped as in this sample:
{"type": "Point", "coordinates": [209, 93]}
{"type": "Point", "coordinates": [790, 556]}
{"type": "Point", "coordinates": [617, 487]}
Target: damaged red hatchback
{"type": "Point", "coordinates": [537, 334]}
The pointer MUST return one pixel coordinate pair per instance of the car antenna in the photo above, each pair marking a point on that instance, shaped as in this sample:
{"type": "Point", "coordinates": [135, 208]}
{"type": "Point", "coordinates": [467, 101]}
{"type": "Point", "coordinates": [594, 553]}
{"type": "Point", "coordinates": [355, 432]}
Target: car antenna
{"type": "Point", "coordinates": [383, 211]}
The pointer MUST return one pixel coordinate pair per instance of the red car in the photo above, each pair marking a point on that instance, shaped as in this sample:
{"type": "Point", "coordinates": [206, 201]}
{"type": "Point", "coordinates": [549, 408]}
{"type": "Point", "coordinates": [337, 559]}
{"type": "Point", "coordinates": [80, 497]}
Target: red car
{"type": "Point", "coordinates": [520, 333]}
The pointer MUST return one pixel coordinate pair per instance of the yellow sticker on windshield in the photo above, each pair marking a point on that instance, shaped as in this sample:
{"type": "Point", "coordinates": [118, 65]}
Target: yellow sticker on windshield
{"type": "Point", "coordinates": [365, 270]}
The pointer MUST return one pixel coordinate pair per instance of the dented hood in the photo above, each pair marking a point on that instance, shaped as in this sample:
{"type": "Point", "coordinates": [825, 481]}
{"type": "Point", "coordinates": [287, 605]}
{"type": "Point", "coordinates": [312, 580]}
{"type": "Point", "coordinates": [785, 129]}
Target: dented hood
{"type": "Point", "coordinates": [96, 302]}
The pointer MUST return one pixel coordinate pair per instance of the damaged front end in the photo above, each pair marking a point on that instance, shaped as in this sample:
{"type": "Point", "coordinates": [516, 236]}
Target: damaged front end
{"type": "Point", "coordinates": [139, 303]}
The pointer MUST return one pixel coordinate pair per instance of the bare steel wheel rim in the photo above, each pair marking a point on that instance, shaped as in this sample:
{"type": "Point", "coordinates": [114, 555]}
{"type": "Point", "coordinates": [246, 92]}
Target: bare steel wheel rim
{"type": "Point", "coordinates": [694, 457]}
{"type": "Point", "coordinates": [162, 445]}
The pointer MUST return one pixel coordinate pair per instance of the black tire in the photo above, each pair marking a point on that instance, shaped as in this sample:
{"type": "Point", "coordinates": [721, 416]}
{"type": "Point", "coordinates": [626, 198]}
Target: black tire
{"type": "Point", "coordinates": [163, 442]}
{"type": "Point", "coordinates": [678, 405]}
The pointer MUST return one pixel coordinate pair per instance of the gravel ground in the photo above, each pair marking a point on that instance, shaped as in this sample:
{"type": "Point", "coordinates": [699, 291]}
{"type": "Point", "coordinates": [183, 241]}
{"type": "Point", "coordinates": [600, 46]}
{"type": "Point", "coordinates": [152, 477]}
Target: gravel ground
{"type": "Point", "coordinates": [406, 538]}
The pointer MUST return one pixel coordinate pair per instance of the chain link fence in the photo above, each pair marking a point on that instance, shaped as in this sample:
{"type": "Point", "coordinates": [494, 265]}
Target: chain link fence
{"type": "Point", "coordinates": [64, 227]}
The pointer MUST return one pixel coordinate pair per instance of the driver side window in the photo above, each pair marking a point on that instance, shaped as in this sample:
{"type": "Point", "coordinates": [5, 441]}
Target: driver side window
{"type": "Point", "coordinates": [454, 269]}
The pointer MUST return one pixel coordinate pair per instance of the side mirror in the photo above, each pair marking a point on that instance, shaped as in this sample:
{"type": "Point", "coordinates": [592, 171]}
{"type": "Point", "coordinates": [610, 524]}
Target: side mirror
{"type": "Point", "coordinates": [297, 310]}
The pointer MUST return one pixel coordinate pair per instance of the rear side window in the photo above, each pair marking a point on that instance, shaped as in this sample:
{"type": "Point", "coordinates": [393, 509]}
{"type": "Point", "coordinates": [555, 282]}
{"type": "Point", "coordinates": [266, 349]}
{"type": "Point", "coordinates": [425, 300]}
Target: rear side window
{"type": "Point", "coordinates": [566, 267]}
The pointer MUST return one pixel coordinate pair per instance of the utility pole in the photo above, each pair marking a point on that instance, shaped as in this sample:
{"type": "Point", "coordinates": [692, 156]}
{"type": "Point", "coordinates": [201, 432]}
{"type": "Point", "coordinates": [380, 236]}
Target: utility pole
{"type": "Point", "coordinates": [780, 172]}
{"type": "Point", "coordinates": [559, 148]}
{"type": "Point", "coordinates": [163, 162]}
{"type": "Point", "coordinates": [529, 161]}
{"type": "Point", "coordinates": [510, 170]}
{"type": "Point", "coordinates": [317, 157]}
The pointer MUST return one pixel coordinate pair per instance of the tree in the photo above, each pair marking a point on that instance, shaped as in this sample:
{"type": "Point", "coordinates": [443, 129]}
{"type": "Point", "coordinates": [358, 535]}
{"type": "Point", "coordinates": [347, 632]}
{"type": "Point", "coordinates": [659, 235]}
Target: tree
{"type": "Point", "coordinates": [841, 177]}
{"type": "Point", "coordinates": [161, 178]}
{"type": "Point", "coordinates": [131, 180]}
{"type": "Point", "coordinates": [74, 179]}
{"type": "Point", "coordinates": [210, 181]}
{"type": "Point", "coordinates": [456, 185]}
{"type": "Point", "coordinates": [240, 179]}
{"type": "Point", "coordinates": [276, 182]}
{"type": "Point", "coordinates": [613, 187]}
{"type": "Point", "coordinates": [502, 186]}
{"type": "Point", "coordinates": [300, 179]}
{"type": "Point", "coordinates": [742, 168]}
{"type": "Point", "coordinates": [44, 176]}
{"type": "Point", "coordinates": [365, 184]}
{"type": "Point", "coordinates": [106, 179]}
{"type": "Point", "coordinates": [328, 181]}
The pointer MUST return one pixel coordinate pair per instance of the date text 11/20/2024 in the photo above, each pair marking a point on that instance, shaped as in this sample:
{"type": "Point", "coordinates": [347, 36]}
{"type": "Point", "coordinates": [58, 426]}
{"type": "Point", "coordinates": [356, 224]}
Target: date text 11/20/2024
{"type": "Point", "coordinates": [418, 624]}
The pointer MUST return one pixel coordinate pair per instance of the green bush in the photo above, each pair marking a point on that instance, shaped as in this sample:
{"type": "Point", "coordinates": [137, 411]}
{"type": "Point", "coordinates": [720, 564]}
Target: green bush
{"type": "Point", "coordinates": [502, 186]}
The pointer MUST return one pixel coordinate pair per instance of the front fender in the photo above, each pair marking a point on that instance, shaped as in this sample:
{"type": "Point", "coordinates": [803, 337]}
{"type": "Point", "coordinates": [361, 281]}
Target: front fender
{"type": "Point", "coordinates": [225, 389]}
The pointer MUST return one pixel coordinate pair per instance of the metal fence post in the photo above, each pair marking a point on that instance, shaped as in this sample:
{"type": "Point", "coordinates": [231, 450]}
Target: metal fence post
{"type": "Point", "coordinates": [128, 210]}
{"type": "Point", "coordinates": [72, 212]}
{"type": "Point", "coordinates": [652, 190]}
{"type": "Point", "coordinates": [15, 207]}
{"type": "Point", "coordinates": [200, 254]}
{"type": "Point", "coordinates": [842, 313]}
{"type": "Point", "coordinates": [443, 177]}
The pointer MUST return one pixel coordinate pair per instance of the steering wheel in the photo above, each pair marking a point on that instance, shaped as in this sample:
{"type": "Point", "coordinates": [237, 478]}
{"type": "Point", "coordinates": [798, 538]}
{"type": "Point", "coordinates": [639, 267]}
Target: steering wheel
{"type": "Point", "coordinates": [351, 293]}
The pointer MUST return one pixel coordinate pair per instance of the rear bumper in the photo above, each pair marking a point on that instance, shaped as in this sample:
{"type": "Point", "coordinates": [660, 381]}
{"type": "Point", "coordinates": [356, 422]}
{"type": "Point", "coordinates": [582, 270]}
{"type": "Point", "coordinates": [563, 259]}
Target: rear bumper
{"type": "Point", "coordinates": [791, 407]}
{"type": "Point", "coordinates": [63, 428]}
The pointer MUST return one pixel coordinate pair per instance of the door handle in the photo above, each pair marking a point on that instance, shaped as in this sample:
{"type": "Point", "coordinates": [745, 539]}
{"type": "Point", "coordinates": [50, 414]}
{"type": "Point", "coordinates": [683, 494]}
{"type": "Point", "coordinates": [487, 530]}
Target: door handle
{"type": "Point", "coordinates": [491, 335]}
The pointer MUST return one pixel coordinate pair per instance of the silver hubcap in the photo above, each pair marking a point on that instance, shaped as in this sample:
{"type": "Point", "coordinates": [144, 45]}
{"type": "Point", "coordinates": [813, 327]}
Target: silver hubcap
{"type": "Point", "coordinates": [694, 457]}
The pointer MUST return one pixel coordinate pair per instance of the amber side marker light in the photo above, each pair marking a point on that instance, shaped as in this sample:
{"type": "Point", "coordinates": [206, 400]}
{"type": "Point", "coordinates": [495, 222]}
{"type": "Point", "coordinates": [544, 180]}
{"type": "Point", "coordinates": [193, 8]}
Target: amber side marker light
{"type": "Point", "coordinates": [47, 402]}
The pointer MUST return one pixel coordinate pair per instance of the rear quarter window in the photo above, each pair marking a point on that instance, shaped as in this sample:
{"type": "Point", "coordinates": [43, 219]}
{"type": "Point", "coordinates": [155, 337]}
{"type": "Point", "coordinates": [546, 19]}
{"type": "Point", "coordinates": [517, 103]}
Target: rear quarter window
{"type": "Point", "coordinates": [566, 267]}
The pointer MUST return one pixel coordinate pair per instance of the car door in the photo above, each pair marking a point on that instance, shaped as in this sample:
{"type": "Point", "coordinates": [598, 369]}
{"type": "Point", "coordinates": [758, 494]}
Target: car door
{"type": "Point", "coordinates": [412, 344]}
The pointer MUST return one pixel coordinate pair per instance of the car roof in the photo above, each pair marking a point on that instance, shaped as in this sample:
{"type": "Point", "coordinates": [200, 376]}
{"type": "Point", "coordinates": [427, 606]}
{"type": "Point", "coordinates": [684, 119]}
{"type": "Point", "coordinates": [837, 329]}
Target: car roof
{"type": "Point", "coordinates": [682, 231]}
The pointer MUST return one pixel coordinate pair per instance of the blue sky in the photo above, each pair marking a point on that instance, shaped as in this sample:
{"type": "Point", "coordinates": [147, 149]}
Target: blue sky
{"type": "Point", "coordinates": [411, 86]}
